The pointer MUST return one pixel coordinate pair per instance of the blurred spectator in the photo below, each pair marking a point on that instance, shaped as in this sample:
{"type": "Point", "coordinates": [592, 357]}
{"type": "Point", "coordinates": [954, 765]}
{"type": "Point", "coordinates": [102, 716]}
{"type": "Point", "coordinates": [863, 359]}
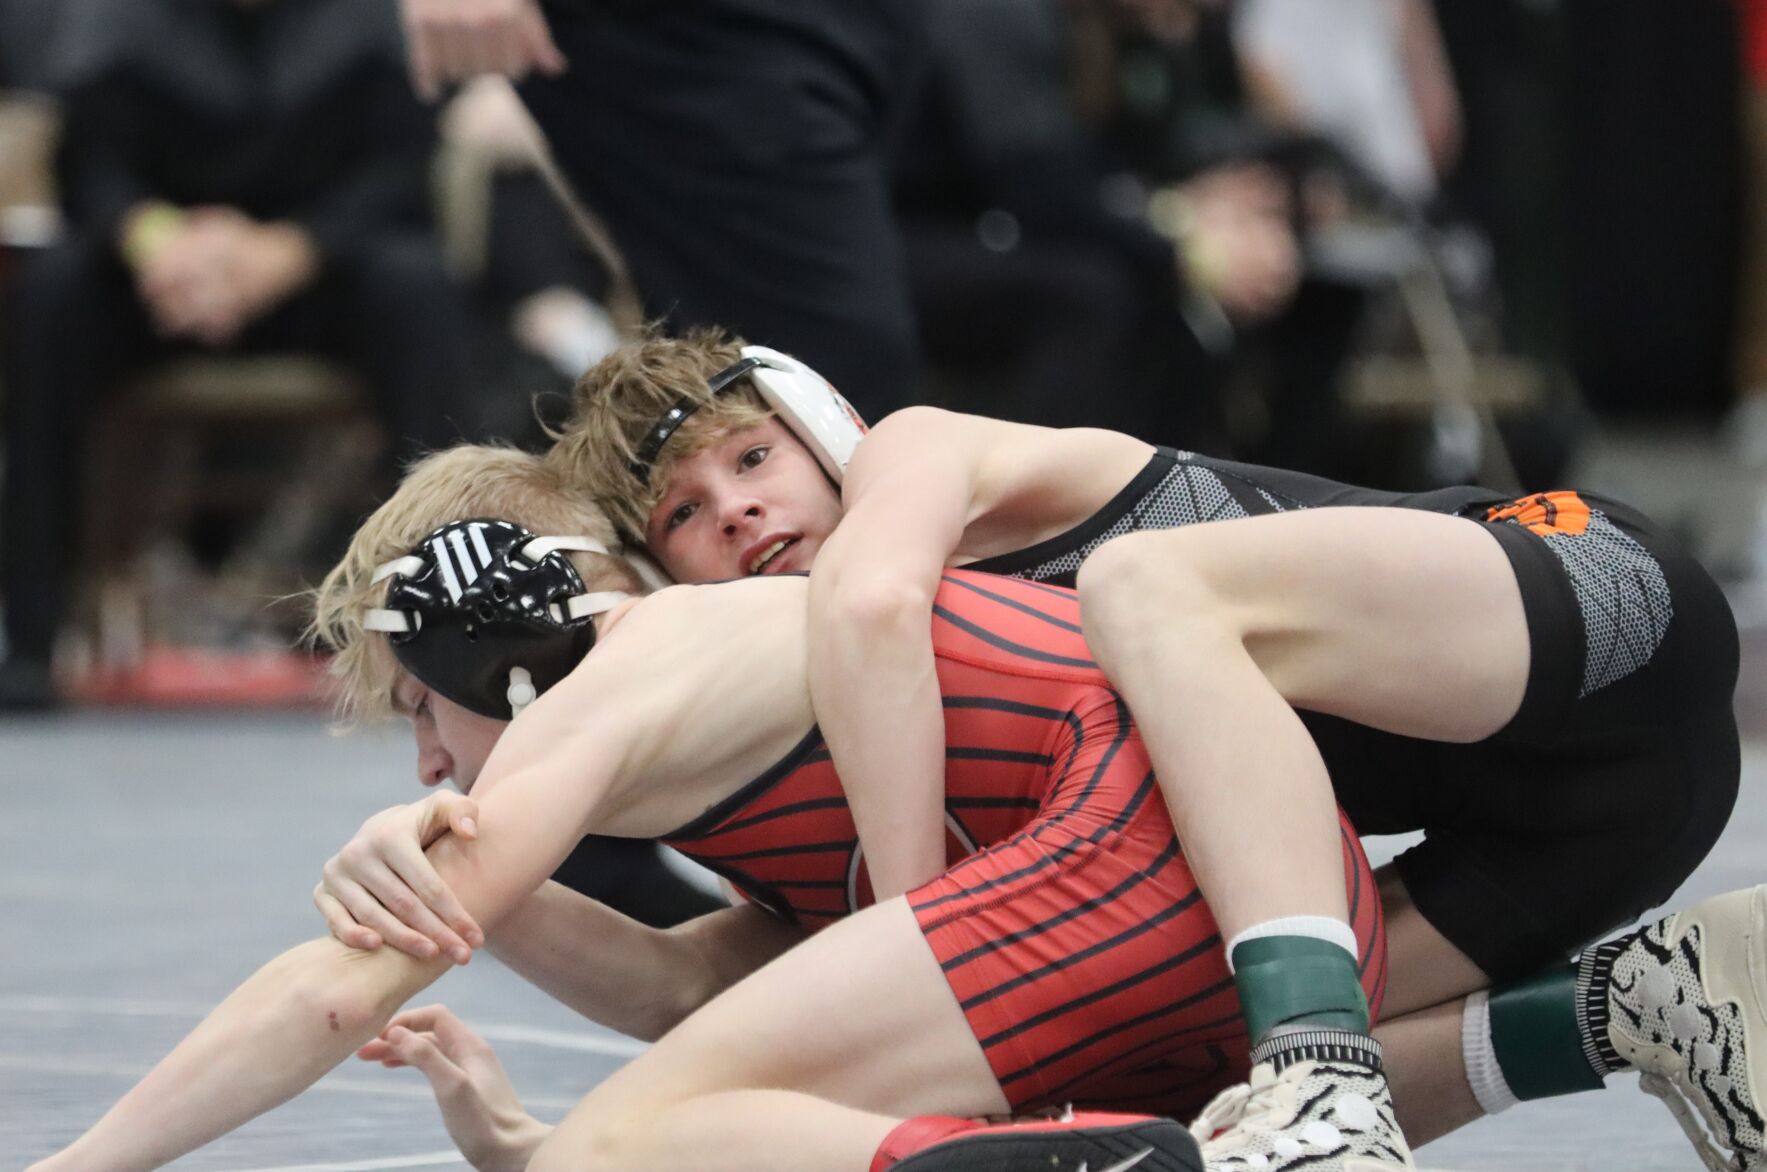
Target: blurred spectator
{"type": "Point", "coordinates": [237, 175]}
{"type": "Point", "coordinates": [534, 276]}
{"type": "Point", "coordinates": [736, 150]}
{"type": "Point", "coordinates": [1164, 84]}
{"type": "Point", "coordinates": [1382, 91]}
{"type": "Point", "coordinates": [1040, 282]}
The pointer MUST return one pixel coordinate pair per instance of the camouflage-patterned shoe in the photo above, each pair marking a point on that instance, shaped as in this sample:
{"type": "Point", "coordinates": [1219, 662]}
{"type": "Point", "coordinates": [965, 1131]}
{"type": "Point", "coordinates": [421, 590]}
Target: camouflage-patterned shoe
{"type": "Point", "coordinates": [1683, 1001]}
{"type": "Point", "coordinates": [1322, 1114]}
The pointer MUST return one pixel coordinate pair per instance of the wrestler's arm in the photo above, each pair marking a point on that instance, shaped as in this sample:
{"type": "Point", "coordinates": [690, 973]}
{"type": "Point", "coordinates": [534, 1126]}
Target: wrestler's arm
{"type": "Point", "coordinates": [872, 677]}
{"type": "Point", "coordinates": [925, 488]}
{"type": "Point", "coordinates": [542, 789]}
{"type": "Point", "coordinates": [639, 980]}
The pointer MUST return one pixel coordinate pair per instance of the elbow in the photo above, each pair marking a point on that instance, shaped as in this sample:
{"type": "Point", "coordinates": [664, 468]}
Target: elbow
{"type": "Point", "coordinates": [883, 608]}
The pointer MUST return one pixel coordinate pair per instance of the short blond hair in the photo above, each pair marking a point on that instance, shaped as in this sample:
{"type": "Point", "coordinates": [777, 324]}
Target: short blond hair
{"type": "Point", "coordinates": [617, 403]}
{"type": "Point", "coordinates": [456, 484]}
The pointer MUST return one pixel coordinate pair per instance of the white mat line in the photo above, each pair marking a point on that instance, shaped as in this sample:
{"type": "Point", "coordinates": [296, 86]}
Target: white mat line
{"type": "Point", "coordinates": [336, 1083]}
{"type": "Point", "coordinates": [422, 1160]}
{"type": "Point", "coordinates": [610, 1044]}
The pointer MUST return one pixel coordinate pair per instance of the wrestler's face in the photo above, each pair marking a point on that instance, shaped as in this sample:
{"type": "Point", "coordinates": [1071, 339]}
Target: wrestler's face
{"type": "Point", "coordinates": [453, 743]}
{"type": "Point", "coordinates": [754, 502]}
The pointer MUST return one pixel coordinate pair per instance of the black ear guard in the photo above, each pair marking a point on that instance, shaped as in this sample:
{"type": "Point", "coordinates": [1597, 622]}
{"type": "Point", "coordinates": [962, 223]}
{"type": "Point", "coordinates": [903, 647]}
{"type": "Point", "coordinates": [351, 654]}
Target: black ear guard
{"type": "Point", "coordinates": [804, 401]}
{"type": "Point", "coordinates": [488, 615]}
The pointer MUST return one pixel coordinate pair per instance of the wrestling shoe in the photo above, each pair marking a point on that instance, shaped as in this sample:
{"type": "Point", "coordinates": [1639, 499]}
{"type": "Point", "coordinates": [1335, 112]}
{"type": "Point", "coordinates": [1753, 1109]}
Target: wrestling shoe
{"type": "Point", "coordinates": [1087, 1141]}
{"type": "Point", "coordinates": [1325, 1114]}
{"type": "Point", "coordinates": [1684, 1002]}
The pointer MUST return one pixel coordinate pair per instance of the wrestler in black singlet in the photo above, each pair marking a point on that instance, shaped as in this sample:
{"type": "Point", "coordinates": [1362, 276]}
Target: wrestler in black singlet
{"type": "Point", "coordinates": [1615, 777]}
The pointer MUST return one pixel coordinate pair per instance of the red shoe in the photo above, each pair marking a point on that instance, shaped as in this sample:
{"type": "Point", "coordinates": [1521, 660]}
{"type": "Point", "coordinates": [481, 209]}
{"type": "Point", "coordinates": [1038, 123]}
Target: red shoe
{"type": "Point", "coordinates": [1085, 1141]}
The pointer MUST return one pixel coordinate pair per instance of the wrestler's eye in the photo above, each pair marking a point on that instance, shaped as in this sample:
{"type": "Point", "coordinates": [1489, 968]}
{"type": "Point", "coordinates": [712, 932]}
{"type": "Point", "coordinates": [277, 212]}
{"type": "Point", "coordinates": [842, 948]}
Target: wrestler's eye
{"type": "Point", "coordinates": [679, 517]}
{"type": "Point", "coordinates": [754, 455]}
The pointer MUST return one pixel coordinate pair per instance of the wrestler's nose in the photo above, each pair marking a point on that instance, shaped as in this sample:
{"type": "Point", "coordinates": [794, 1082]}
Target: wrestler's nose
{"type": "Point", "coordinates": [434, 764]}
{"type": "Point", "coordinates": [740, 513]}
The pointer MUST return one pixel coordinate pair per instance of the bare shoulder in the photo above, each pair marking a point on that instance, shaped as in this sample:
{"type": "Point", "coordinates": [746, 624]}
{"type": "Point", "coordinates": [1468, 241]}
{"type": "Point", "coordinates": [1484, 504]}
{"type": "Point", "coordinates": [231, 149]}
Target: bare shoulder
{"type": "Point", "coordinates": [701, 688]}
{"type": "Point", "coordinates": [658, 621]}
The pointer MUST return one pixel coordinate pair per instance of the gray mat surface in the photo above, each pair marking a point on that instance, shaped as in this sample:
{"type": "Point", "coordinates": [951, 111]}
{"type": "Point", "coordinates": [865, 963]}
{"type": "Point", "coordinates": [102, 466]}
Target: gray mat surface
{"type": "Point", "coordinates": [147, 865]}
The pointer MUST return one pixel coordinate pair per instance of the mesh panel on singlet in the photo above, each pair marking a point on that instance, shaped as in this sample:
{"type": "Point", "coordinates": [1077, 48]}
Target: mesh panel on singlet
{"type": "Point", "coordinates": [1189, 495]}
{"type": "Point", "coordinates": [1623, 597]}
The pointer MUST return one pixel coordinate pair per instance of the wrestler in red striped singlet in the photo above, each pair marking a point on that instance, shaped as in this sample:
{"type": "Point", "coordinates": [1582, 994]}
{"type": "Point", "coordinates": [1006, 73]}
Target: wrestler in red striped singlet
{"type": "Point", "coordinates": [1069, 926]}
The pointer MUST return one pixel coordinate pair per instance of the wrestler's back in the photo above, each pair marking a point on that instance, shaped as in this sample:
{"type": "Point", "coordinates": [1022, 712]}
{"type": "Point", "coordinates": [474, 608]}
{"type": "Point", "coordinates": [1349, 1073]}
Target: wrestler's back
{"type": "Point", "coordinates": [1019, 689]}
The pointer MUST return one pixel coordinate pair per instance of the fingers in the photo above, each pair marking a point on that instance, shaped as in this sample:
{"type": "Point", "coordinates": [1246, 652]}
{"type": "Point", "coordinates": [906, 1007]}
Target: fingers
{"type": "Point", "coordinates": [412, 1048]}
{"type": "Point", "coordinates": [420, 61]}
{"type": "Point", "coordinates": [451, 811]}
{"type": "Point", "coordinates": [386, 858]}
{"type": "Point", "coordinates": [391, 890]}
{"type": "Point", "coordinates": [342, 925]}
{"type": "Point", "coordinates": [421, 877]}
{"type": "Point", "coordinates": [451, 40]}
{"type": "Point", "coordinates": [455, 1037]}
{"type": "Point", "coordinates": [422, 1020]}
{"type": "Point", "coordinates": [537, 46]}
{"type": "Point", "coordinates": [368, 910]}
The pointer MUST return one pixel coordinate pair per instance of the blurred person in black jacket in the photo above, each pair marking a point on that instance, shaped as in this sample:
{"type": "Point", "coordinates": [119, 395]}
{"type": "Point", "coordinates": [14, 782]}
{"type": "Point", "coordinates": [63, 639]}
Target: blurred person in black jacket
{"type": "Point", "coordinates": [737, 150]}
{"type": "Point", "coordinates": [236, 175]}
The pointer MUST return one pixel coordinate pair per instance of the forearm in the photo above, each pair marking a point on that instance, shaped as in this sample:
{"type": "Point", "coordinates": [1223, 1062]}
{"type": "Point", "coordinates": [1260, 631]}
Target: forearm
{"type": "Point", "coordinates": [909, 496]}
{"type": "Point", "coordinates": [608, 967]}
{"type": "Point", "coordinates": [280, 1032]}
{"type": "Point", "coordinates": [638, 980]}
{"type": "Point", "coordinates": [876, 692]}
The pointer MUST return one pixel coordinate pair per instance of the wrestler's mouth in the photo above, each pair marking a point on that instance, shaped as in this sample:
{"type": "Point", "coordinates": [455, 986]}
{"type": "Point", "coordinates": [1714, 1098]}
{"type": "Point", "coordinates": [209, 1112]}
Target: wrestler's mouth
{"type": "Point", "coordinates": [760, 557]}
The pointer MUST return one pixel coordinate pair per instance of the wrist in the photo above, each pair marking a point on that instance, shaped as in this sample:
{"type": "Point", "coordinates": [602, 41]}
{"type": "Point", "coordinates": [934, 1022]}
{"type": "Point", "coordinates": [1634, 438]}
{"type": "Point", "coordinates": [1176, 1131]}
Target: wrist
{"type": "Point", "coordinates": [145, 231]}
{"type": "Point", "coordinates": [525, 1139]}
{"type": "Point", "coordinates": [297, 260]}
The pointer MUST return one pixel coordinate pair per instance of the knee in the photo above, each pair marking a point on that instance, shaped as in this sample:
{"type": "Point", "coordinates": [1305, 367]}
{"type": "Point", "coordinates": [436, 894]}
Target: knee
{"type": "Point", "coordinates": [1140, 583]}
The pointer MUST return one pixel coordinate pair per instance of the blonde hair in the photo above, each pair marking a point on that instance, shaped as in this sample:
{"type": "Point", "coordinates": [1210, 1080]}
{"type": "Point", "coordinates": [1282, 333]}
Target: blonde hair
{"type": "Point", "coordinates": [617, 403]}
{"type": "Point", "coordinates": [456, 484]}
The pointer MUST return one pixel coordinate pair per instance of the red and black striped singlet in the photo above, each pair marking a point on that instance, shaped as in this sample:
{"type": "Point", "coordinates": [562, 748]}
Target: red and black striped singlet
{"type": "Point", "coordinates": [1068, 927]}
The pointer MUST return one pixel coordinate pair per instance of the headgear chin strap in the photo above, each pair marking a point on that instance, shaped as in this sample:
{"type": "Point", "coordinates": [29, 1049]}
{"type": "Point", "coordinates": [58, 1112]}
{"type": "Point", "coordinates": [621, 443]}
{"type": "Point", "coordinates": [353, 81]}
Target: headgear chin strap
{"type": "Point", "coordinates": [488, 615]}
{"type": "Point", "coordinates": [804, 401]}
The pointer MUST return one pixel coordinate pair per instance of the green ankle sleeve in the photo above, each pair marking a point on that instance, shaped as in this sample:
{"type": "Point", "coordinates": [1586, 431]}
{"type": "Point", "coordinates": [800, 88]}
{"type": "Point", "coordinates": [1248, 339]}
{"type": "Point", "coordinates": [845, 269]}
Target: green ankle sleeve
{"type": "Point", "coordinates": [1297, 980]}
{"type": "Point", "coordinates": [1535, 1036]}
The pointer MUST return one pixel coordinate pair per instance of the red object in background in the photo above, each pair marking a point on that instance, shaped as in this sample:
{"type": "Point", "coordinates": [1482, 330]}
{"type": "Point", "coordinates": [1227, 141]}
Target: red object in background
{"type": "Point", "coordinates": [1754, 40]}
{"type": "Point", "coordinates": [168, 676]}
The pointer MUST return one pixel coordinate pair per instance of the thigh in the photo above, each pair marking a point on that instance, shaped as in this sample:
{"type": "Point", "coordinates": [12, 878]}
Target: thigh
{"type": "Point", "coordinates": [859, 1014]}
{"type": "Point", "coordinates": [1406, 621]}
{"type": "Point", "coordinates": [1083, 955]}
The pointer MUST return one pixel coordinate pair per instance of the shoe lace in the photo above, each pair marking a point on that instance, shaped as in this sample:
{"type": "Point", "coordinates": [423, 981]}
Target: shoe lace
{"type": "Point", "coordinates": [1680, 1106]}
{"type": "Point", "coordinates": [1224, 1112]}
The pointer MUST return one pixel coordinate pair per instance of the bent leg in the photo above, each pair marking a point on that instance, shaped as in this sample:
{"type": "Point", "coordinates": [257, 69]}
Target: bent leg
{"type": "Point", "coordinates": [807, 1064]}
{"type": "Point", "coordinates": [1406, 621]}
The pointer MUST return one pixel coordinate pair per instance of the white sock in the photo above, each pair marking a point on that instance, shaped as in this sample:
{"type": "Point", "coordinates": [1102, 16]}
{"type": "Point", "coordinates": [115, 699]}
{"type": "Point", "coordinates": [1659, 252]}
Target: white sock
{"type": "Point", "coordinates": [1317, 927]}
{"type": "Point", "coordinates": [1483, 1073]}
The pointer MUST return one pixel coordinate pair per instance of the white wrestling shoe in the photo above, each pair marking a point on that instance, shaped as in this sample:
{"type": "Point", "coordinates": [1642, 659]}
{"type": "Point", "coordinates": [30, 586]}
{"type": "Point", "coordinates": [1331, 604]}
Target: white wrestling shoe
{"type": "Point", "coordinates": [1686, 1005]}
{"type": "Point", "coordinates": [1323, 1116]}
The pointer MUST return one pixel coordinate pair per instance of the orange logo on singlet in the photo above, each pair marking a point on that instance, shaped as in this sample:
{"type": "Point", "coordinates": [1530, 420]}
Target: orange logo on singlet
{"type": "Point", "coordinates": [1546, 513]}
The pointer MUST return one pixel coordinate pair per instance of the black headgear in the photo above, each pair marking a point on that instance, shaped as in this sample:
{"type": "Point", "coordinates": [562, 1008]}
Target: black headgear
{"type": "Point", "coordinates": [488, 615]}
